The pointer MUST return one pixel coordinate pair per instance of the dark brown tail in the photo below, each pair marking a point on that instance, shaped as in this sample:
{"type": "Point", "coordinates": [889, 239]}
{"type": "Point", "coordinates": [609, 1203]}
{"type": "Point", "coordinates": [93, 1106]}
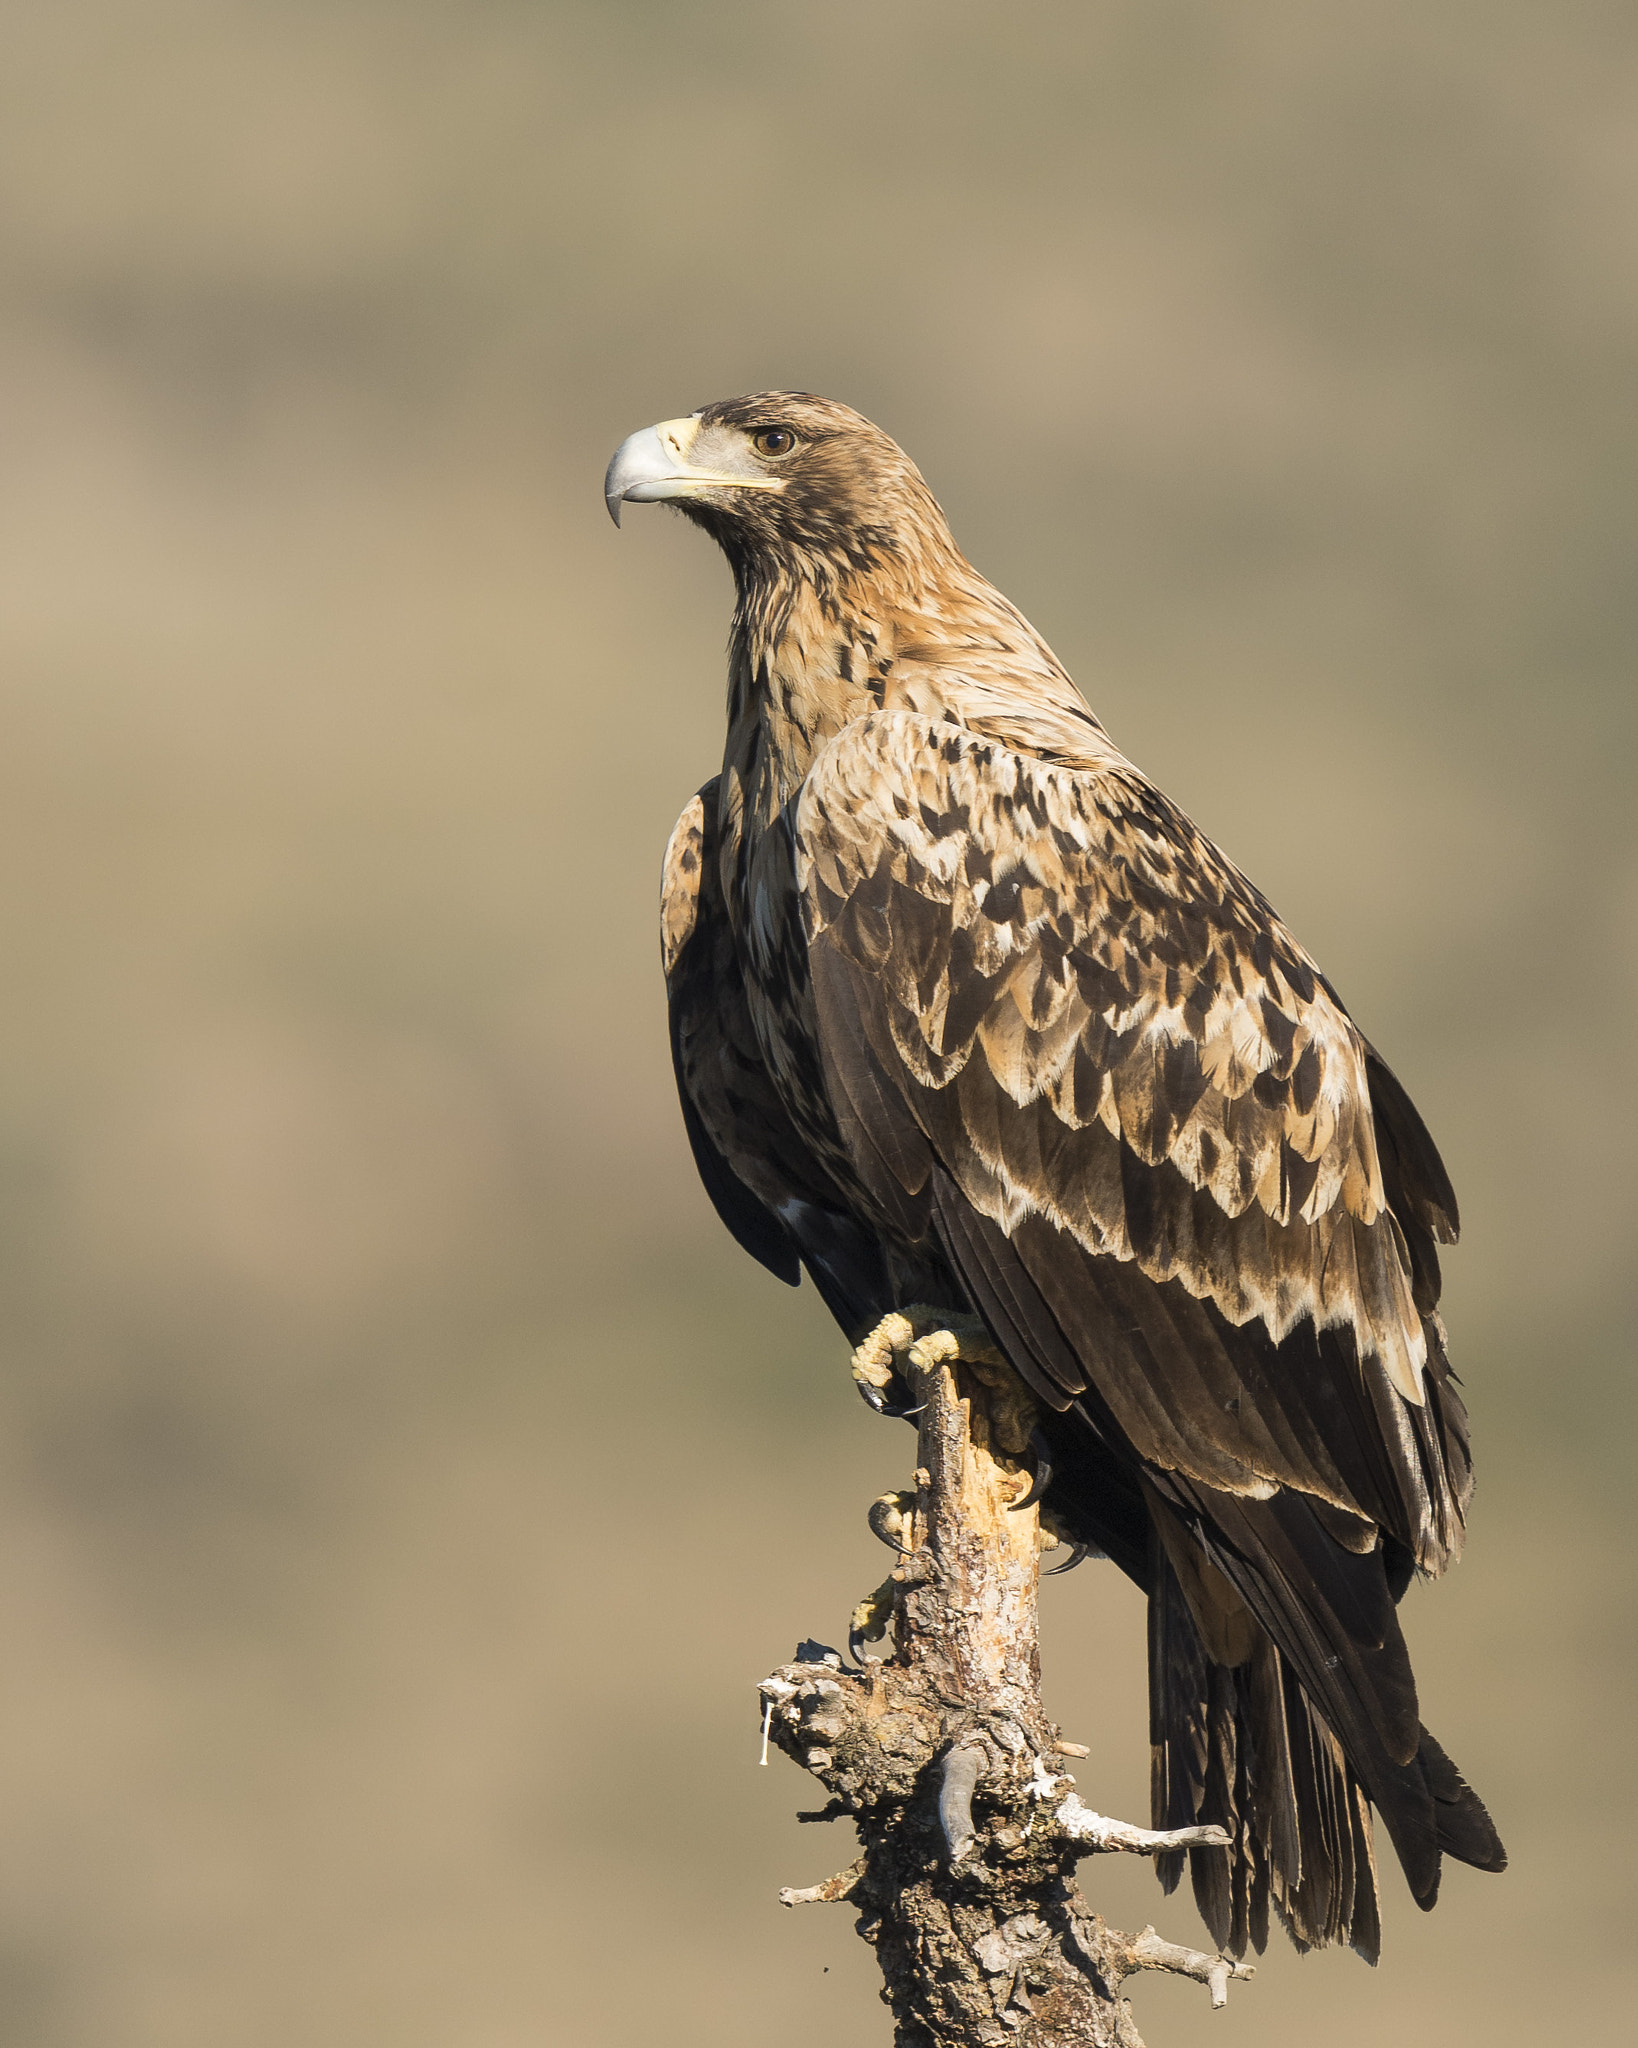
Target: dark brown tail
{"type": "Point", "coordinates": [1243, 1745]}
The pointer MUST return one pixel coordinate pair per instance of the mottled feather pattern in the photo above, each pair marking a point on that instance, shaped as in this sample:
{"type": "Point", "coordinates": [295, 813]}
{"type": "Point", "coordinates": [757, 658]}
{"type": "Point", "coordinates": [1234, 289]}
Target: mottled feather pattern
{"type": "Point", "coordinates": [680, 880]}
{"type": "Point", "coordinates": [1069, 929]}
{"type": "Point", "coordinates": [767, 1182]}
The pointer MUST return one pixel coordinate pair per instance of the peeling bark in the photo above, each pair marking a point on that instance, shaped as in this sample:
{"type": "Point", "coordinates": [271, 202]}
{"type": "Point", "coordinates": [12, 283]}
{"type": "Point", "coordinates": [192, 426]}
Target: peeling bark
{"type": "Point", "coordinates": [942, 1756]}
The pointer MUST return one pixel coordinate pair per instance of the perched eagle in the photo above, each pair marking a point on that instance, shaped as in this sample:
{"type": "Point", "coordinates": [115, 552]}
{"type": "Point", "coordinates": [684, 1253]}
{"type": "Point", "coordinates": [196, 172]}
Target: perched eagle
{"type": "Point", "coordinates": [965, 1011]}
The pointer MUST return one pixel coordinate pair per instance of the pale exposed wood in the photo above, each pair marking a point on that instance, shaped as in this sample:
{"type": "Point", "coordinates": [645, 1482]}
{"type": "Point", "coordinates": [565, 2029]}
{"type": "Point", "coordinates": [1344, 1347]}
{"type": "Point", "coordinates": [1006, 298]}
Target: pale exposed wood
{"type": "Point", "coordinates": [942, 1754]}
{"type": "Point", "coordinates": [974, 1619]}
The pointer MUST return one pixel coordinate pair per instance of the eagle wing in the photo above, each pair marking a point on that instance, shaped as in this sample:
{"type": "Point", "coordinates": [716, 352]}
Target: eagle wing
{"type": "Point", "coordinates": [1064, 1038]}
{"type": "Point", "coordinates": [763, 1180]}
{"type": "Point", "coordinates": [1094, 1043]}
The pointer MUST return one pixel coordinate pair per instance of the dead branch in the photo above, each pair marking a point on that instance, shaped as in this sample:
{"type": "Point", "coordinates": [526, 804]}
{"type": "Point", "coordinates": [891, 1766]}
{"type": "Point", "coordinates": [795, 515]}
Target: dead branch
{"type": "Point", "coordinates": [1095, 1831]}
{"type": "Point", "coordinates": [1149, 1952]}
{"type": "Point", "coordinates": [942, 1756]}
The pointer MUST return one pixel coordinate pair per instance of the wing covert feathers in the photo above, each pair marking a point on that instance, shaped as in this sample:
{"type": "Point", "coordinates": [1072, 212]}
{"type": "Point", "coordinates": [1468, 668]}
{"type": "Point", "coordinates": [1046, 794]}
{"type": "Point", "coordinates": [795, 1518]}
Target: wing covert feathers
{"type": "Point", "coordinates": [1044, 978]}
{"type": "Point", "coordinates": [763, 1180]}
{"type": "Point", "coordinates": [724, 1097]}
{"type": "Point", "coordinates": [1137, 1048]}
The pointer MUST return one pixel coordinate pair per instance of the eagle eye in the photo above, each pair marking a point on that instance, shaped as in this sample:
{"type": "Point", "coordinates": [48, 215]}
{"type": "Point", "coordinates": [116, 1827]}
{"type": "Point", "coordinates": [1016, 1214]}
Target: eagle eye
{"type": "Point", "coordinates": [774, 441]}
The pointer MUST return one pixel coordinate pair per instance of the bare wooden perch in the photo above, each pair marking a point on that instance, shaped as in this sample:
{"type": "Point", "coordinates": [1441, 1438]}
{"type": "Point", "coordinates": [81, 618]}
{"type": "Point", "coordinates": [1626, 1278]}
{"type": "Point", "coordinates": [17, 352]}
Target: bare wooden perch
{"type": "Point", "coordinates": [942, 1755]}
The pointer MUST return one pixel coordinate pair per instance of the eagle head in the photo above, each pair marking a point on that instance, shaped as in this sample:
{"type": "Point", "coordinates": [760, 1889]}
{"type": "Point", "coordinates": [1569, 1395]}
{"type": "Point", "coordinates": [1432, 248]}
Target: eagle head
{"type": "Point", "coordinates": [785, 483]}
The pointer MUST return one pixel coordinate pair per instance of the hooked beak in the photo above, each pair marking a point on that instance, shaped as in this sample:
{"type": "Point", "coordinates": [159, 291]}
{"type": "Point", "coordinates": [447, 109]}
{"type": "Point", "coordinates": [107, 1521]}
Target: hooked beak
{"type": "Point", "coordinates": [653, 465]}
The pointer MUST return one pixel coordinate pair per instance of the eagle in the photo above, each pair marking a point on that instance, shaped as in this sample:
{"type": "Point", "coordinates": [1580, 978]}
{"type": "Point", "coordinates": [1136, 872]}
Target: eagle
{"type": "Point", "coordinates": [965, 1011]}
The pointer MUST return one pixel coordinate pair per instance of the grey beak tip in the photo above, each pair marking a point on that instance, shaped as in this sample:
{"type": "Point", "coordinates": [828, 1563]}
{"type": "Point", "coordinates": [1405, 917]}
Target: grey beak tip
{"type": "Point", "coordinates": [614, 509]}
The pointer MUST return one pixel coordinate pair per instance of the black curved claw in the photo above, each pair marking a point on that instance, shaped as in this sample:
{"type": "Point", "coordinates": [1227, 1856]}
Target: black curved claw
{"type": "Point", "coordinates": [1043, 1472]}
{"type": "Point", "coordinates": [876, 1398]}
{"type": "Point", "coordinates": [1078, 1555]}
{"type": "Point", "coordinates": [855, 1647]}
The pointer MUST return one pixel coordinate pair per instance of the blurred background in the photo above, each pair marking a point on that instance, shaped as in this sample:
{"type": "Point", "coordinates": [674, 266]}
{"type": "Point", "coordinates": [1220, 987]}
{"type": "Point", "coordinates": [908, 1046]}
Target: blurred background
{"type": "Point", "coordinates": [403, 1479]}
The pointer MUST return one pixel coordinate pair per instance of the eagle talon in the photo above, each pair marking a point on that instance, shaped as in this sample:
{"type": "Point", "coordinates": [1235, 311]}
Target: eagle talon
{"type": "Point", "coordinates": [870, 1621]}
{"type": "Point", "coordinates": [922, 1335]}
{"type": "Point", "coordinates": [1078, 1555]}
{"type": "Point", "coordinates": [1043, 1474]}
{"type": "Point", "coordinates": [889, 1520]}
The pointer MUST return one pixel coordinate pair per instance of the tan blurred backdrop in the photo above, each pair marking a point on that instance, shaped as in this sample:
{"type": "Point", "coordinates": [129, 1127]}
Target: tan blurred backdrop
{"type": "Point", "coordinates": [403, 1480]}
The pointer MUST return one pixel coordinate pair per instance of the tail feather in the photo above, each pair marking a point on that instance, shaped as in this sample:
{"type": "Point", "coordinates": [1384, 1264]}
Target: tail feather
{"type": "Point", "coordinates": [1242, 1748]}
{"type": "Point", "coordinates": [1464, 1828]}
{"type": "Point", "coordinates": [1330, 1893]}
{"type": "Point", "coordinates": [1245, 1746]}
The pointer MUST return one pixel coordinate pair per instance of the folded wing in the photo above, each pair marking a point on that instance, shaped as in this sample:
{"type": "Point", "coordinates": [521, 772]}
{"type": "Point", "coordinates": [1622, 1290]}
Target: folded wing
{"type": "Point", "coordinates": [763, 1179]}
{"type": "Point", "coordinates": [1065, 1038]}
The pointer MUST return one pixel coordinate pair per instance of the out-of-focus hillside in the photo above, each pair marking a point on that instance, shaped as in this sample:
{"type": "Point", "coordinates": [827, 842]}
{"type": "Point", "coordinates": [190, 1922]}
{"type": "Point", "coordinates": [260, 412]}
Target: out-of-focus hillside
{"type": "Point", "coordinates": [403, 1480]}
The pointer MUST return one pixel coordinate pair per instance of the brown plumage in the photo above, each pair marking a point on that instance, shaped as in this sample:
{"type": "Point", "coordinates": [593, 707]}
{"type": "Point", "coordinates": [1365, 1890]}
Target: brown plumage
{"type": "Point", "coordinates": [964, 1010]}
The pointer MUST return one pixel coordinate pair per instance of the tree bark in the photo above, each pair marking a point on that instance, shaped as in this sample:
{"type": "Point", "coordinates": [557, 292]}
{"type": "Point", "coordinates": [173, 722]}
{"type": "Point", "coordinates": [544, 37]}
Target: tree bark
{"type": "Point", "coordinates": [969, 1828]}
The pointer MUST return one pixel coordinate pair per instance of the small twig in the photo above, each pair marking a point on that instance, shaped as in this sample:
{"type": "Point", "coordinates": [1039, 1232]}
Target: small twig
{"type": "Point", "coordinates": [1147, 1951]}
{"type": "Point", "coordinates": [1099, 1832]}
{"type": "Point", "coordinates": [841, 1886]}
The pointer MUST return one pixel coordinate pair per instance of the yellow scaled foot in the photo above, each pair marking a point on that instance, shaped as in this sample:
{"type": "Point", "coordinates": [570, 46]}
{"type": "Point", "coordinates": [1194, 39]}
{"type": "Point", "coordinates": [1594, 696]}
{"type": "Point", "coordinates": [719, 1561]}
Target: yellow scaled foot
{"type": "Point", "coordinates": [930, 1334]}
{"type": "Point", "coordinates": [872, 1617]}
{"type": "Point", "coordinates": [890, 1519]}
